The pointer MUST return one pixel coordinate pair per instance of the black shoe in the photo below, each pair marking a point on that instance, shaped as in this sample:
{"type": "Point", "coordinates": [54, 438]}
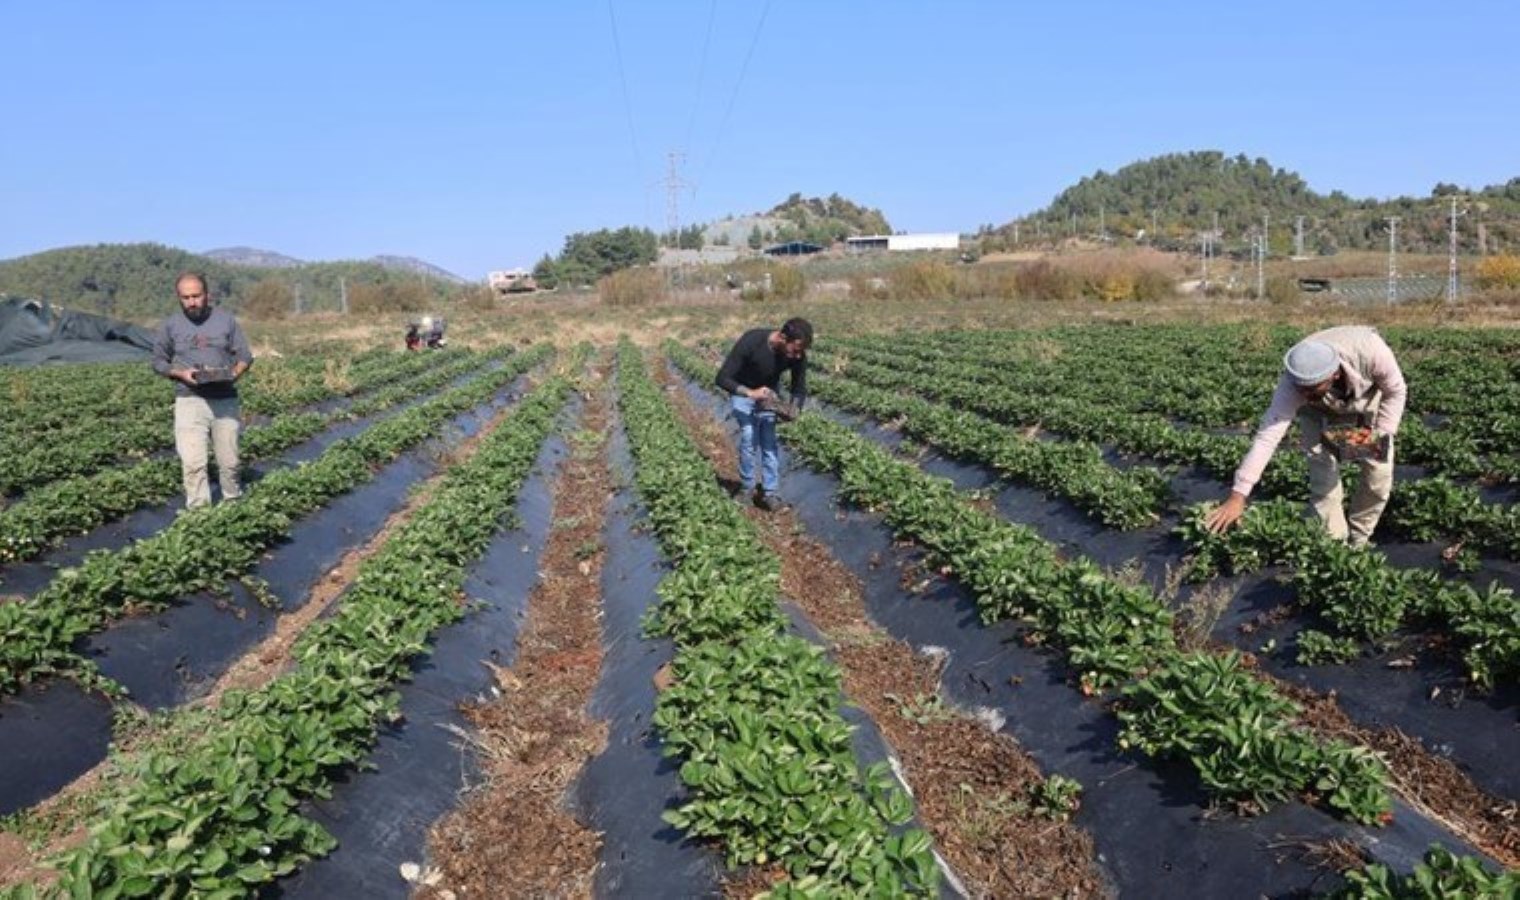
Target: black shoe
{"type": "Point", "coordinates": [768, 502]}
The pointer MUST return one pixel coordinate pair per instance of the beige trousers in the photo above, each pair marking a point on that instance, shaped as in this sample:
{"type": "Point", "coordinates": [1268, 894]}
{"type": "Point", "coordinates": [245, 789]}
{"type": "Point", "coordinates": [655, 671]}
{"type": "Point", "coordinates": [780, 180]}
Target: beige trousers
{"type": "Point", "coordinates": [197, 419]}
{"type": "Point", "coordinates": [1355, 522]}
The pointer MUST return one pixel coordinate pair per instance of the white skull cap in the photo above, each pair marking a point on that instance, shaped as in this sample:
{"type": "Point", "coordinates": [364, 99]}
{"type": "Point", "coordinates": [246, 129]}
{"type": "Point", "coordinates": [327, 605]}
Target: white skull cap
{"type": "Point", "coordinates": [1309, 362]}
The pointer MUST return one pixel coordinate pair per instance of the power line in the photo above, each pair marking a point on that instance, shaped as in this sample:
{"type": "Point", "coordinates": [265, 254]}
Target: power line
{"type": "Point", "coordinates": [734, 97]}
{"type": "Point", "coordinates": [617, 46]}
{"type": "Point", "coordinates": [712, 15]}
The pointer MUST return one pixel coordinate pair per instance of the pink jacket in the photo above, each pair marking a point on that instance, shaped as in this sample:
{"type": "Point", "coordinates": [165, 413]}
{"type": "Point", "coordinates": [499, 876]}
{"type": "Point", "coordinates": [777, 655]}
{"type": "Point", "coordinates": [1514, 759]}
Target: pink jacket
{"type": "Point", "coordinates": [1371, 382]}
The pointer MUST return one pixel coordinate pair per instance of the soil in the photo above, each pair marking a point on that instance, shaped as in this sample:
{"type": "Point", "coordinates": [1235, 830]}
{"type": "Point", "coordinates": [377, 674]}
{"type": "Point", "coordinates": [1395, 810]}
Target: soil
{"type": "Point", "coordinates": [512, 836]}
{"type": "Point", "coordinates": [971, 784]}
{"type": "Point", "coordinates": [1430, 783]}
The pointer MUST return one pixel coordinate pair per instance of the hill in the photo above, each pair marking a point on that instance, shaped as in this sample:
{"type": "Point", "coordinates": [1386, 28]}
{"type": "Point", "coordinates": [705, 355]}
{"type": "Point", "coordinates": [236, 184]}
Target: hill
{"type": "Point", "coordinates": [1181, 193]}
{"type": "Point", "coordinates": [134, 281]}
{"type": "Point", "coordinates": [820, 220]}
{"type": "Point", "coordinates": [825, 220]}
{"type": "Point", "coordinates": [417, 267]}
{"type": "Point", "coordinates": [269, 259]}
{"type": "Point", "coordinates": [252, 256]}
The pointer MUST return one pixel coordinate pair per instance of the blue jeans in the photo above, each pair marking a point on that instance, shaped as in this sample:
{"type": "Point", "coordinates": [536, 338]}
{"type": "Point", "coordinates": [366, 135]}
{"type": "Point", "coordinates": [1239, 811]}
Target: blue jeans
{"type": "Point", "coordinates": [757, 432]}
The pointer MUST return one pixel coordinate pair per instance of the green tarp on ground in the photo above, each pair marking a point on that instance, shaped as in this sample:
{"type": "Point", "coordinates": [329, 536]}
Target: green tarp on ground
{"type": "Point", "coordinates": [33, 332]}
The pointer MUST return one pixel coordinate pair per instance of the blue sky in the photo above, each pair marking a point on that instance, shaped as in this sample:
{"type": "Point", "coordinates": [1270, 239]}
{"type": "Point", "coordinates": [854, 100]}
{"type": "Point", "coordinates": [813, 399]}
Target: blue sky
{"type": "Point", "coordinates": [476, 135]}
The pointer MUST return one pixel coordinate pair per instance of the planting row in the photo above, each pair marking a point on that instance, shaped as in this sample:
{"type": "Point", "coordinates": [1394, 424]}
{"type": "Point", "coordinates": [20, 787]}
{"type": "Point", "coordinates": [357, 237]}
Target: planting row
{"type": "Point", "coordinates": [133, 431]}
{"type": "Point", "coordinates": [1146, 434]}
{"type": "Point", "coordinates": [74, 505]}
{"type": "Point", "coordinates": [1441, 507]}
{"type": "Point", "coordinates": [1207, 709]}
{"type": "Point", "coordinates": [1221, 378]}
{"type": "Point", "coordinates": [204, 547]}
{"type": "Point", "coordinates": [1074, 470]}
{"type": "Point", "coordinates": [754, 712]}
{"type": "Point", "coordinates": [1361, 597]}
{"type": "Point", "coordinates": [222, 817]}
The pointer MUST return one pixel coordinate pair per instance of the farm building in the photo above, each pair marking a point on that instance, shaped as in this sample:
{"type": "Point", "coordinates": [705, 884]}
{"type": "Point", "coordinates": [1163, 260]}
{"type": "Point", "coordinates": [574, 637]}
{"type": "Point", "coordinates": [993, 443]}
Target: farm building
{"type": "Point", "coordinates": [895, 242]}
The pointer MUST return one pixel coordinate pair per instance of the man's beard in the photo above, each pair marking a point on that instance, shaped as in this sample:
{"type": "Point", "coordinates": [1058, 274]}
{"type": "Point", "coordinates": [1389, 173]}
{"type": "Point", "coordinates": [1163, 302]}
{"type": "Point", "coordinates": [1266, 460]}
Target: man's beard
{"type": "Point", "coordinates": [199, 315]}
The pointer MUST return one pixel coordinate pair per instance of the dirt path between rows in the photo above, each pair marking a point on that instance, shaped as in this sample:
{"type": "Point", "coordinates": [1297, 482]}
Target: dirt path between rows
{"type": "Point", "coordinates": [1430, 783]}
{"type": "Point", "coordinates": [972, 785]}
{"type": "Point", "coordinates": [512, 836]}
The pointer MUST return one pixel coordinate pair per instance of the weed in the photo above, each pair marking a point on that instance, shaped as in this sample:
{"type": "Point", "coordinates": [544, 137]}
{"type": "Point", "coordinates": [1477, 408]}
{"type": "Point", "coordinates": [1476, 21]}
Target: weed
{"type": "Point", "coordinates": [1057, 797]}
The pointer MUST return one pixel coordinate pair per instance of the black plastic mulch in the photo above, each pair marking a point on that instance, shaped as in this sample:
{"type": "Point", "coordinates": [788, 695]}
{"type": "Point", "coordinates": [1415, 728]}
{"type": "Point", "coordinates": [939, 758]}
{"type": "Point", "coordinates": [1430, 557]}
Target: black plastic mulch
{"type": "Point", "coordinates": [1153, 826]}
{"type": "Point", "coordinates": [622, 791]}
{"type": "Point", "coordinates": [175, 655]}
{"type": "Point", "coordinates": [422, 765]}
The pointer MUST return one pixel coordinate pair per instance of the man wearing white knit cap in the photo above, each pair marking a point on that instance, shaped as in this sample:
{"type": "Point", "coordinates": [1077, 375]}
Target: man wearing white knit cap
{"type": "Point", "coordinates": [1343, 376]}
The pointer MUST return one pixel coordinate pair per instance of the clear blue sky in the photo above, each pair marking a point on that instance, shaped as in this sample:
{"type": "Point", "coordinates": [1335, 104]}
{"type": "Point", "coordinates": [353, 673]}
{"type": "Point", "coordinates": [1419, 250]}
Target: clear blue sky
{"type": "Point", "coordinates": [476, 135]}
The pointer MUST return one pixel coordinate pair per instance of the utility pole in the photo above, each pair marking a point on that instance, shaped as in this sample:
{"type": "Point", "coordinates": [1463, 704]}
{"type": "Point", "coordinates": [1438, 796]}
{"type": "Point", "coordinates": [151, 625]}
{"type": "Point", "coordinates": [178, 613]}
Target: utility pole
{"type": "Point", "coordinates": [1102, 223]}
{"type": "Point", "coordinates": [673, 187]}
{"type": "Point", "coordinates": [1393, 258]}
{"type": "Point", "coordinates": [1152, 239]}
{"type": "Point", "coordinates": [1261, 265]}
{"type": "Point", "coordinates": [1207, 240]}
{"type": "Point", "coordinates": [298, 298]}
{"type": "Point", "coordinates": [1451, 260]}
{"type": "Point", "coordinates": [343, 295]}
{"type": "Point", "coordinates": [1298, 238]}
{"type": "Point", "coordinates": [1015, 232]}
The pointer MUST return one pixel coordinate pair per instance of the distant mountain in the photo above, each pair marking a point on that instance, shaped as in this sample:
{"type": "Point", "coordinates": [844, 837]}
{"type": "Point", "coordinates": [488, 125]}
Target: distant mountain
{"type": "Point", "coordinates": [252, 256]}
{"type": "Point", "coordinates": [269, 259]}
{"type": "Point", "coordinates": [1174, 198]}
{"type": "Point", "coordinates": [417, 267]}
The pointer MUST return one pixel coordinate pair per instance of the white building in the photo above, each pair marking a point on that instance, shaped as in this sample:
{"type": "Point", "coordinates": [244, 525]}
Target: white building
{"type": "Point", "coordinates": [928, 241]}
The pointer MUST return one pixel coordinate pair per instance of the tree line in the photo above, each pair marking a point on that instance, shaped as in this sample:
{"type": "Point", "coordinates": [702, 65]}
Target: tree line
{"type": "Point", "coordinates": [136, 282]}
{"type": "Point", "coordinates": [1170, 201]}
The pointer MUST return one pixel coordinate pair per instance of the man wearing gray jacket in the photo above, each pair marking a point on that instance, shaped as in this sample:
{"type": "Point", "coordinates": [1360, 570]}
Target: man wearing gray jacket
{"type": "Point", "coordinates": [204, 351]}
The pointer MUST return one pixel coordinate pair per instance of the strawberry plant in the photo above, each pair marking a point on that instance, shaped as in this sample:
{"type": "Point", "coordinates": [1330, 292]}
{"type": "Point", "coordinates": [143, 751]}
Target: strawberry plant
{"type": "Point", "coordinates": [1441, 875]}
{"type": "Point", "coordinates": [754, 713]}
{"type": "Point", "coordinates": [222, 819]}
{"type": "Point", "coordinates": [1233, 728]}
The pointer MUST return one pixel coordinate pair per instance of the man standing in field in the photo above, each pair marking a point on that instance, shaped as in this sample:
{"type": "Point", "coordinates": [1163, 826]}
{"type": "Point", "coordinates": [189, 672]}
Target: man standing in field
{"type": "Point", "coordinates": [1338, 377]}
{"type": "Point", "coordinates": [203, 350]}
{"type": "Point", "coordinates": [751, 374]}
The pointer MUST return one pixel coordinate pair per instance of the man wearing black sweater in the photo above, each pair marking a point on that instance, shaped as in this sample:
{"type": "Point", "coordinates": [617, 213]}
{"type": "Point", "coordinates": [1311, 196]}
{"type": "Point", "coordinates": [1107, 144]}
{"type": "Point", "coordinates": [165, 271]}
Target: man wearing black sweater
{"type": "Point", "coordinates": [751, 374]}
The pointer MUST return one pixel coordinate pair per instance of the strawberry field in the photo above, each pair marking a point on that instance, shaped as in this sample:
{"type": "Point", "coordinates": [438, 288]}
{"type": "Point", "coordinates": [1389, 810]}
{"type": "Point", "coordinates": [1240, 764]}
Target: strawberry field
{"type": "Point", "coordinates": [496, 623]}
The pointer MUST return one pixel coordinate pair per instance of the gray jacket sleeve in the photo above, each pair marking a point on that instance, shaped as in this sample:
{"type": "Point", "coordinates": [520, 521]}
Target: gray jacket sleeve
{"type": "Point", "coordinates": [163, 349]}
{"type": "Point", "coordinates": [240, 350]}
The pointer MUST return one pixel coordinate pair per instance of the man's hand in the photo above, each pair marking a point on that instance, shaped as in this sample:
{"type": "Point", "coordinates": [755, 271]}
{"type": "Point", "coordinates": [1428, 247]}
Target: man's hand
{"type": "Point", "coordinates": [1226, 515]}
{"type": "Point", "coordinates": [762, 393]}
{"type": "Point", "coordinates": [185, 375]}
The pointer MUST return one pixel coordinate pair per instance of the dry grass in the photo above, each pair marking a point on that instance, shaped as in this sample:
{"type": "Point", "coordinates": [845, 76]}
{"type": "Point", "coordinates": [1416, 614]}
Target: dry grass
{"type": "Point", "coordinates": [568, 319]}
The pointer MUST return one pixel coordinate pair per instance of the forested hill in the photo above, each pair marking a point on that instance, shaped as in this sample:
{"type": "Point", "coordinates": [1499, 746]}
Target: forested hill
{"type": "Point", "coordinates": [1185, 190]}
{"type": "Point", "coordinates": [135, 281]}
{"type": "Point", "coordinates": [824, 220]}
